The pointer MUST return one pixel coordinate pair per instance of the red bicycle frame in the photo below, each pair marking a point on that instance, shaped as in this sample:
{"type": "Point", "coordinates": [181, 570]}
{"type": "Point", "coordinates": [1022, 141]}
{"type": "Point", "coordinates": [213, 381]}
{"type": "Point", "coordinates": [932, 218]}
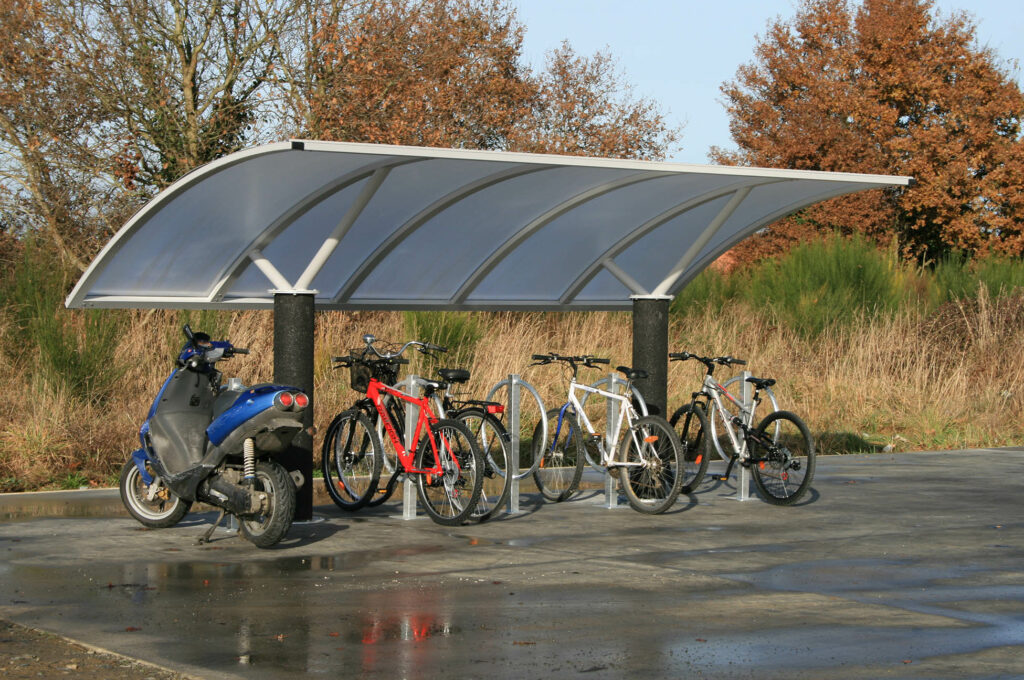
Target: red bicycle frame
{"type": "Point", "coordinates": [424, 419]}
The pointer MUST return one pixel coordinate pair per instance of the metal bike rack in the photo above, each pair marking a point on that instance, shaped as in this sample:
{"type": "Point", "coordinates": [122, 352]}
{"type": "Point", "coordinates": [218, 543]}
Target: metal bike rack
{"type": "Point", "coordinates": [411, 385]}
{"type": "Point", "coordinates": [746, 398]}
{"type": "Point", "coordinates": [611, 494]}
{"type": "Point", "coordinates": [515, 384]}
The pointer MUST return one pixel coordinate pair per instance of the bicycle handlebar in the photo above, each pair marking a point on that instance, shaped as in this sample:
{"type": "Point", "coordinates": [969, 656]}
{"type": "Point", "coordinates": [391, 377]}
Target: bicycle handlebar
{"type": "Point", "coordinates": [585, 359]}
{"type": "Point", "coordinates": [424, 347]}
{"type": "Point", "coordinates": [707, 361]}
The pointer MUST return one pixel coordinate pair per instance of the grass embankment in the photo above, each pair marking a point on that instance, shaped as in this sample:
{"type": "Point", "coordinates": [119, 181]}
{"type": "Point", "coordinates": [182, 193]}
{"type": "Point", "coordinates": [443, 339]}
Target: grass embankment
{"type": "Point", "coordinates": [871, 352]}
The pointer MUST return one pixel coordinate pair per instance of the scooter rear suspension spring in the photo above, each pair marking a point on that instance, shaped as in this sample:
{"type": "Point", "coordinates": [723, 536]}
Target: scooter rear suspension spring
{"type": "Point", "coordinates": [248, 459]}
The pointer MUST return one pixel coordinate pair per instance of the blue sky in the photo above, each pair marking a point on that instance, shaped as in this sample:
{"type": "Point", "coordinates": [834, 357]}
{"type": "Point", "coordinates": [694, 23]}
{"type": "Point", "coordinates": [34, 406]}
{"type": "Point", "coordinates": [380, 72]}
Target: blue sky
{"type": "Point", "coordinates": [679, 53]}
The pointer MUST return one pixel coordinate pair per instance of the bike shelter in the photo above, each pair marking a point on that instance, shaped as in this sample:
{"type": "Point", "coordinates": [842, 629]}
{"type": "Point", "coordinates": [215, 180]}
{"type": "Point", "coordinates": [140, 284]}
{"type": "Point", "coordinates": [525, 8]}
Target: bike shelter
{"type": "Point", "coordinates": [304, 225]}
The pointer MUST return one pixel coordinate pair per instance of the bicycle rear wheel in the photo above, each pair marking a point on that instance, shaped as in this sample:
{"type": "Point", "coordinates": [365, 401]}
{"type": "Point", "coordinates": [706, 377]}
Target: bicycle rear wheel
{"type": "Point", "coordinates": [493, 442]}
{"type": "Point", "coordinates": [351, 460]}
{"type": "Point", "coordinates": [782, 457]}
{"type": "Point", "coordinates": [691, 425]}
{"type": "Point", "coordinates": [450, 497]}
{"type": "Point", "coordinates": [651, 461]}
{"type": "Point", "coordinates": [561, 457]}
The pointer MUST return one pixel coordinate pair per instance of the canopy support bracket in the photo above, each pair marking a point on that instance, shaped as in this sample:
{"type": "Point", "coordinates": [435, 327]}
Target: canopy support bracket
{"type": "Point", "coordinates": [331, 242]}
{"type": "Point", "coordinates": [270, 271]}
{"type": "Point", "coordinates": [628, 281]}
{"type": "Point", "coordinates": [694, 250]}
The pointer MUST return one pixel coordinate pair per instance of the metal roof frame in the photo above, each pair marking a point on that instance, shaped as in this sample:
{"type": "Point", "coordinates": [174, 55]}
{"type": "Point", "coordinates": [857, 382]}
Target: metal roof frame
{"type": "Point", "coordinates": [648, 228]}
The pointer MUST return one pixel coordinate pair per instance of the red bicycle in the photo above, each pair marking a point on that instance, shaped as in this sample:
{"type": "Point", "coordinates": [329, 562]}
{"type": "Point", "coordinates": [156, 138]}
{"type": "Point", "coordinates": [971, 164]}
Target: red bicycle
{"type": "Point", "coordinates": [445, 462]}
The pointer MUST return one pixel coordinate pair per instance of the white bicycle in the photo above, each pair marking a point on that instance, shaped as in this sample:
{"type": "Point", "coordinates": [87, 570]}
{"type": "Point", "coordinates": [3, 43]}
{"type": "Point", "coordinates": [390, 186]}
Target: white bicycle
{"type": "Point", "coordinates": [643, 449]}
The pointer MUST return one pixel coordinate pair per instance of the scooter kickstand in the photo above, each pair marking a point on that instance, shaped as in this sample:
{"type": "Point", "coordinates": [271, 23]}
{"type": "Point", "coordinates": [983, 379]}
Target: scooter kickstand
{"type": "Point", "coordinates": [205, 538]}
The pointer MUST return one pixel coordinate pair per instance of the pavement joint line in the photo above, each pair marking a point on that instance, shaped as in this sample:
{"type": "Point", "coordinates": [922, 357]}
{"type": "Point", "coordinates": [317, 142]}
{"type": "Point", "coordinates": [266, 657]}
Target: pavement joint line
{"type": "Point", "coordinates": [103, 650]}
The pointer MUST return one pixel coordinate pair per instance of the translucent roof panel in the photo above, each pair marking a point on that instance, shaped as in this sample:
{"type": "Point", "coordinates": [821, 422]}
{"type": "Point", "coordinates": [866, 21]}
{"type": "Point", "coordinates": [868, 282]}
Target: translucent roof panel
{"type": "Point", "coordinates": [374, 226]}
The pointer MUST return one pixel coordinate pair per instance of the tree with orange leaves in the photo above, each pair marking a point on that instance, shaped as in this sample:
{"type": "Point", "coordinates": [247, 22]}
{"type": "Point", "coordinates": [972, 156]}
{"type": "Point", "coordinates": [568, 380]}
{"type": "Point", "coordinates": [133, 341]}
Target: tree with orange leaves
{"type": "Point", "coordinates": [888, 87]}
{"type": "Point", "coordinates": [448, 73]}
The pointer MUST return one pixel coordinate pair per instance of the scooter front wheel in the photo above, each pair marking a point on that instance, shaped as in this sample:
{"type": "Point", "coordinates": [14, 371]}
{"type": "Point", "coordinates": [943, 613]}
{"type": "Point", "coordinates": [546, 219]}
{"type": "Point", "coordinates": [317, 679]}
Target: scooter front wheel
{"type": "Point", "coordinates": [162, 511]}
{"type": "Point", "coordinates": [267, 527]}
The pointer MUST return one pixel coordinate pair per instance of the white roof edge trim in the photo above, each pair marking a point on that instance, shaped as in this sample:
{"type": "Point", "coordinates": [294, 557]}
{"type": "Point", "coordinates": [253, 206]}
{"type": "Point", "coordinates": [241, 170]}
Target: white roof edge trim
{"type": "Point", "coordinates": [250, 303]}
{"type": "Point", "coordinates": [76, 297]}
{"type": "Point", "coordinates": [594, 162]}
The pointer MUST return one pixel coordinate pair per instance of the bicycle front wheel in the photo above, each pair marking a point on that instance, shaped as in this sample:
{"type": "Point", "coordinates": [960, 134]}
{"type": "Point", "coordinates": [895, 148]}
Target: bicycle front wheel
{"type": "Point", "coordinates": [651, 464]}
{"type": "Point", "coordinates": [494, 444]}
{"type": "Point", "coordinates": [450, 496]}
{"type": "Point", "coordinates": [782, 458]}
{"type": "Point", "coordinates": [561, 456]}
{"type": "Point", "coordinates": [691, 426]}
{"type": "Point", "coordinates": [351, 460]}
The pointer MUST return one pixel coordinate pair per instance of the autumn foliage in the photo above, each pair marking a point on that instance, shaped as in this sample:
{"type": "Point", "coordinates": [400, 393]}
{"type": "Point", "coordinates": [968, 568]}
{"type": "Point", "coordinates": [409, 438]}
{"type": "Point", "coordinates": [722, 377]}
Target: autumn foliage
{"type": "Point", "coordinates": [887, 87]}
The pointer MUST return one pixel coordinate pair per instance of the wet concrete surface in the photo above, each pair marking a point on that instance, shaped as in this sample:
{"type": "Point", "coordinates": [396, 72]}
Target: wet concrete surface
{"type": "Point", "coordinates": [897, 565]}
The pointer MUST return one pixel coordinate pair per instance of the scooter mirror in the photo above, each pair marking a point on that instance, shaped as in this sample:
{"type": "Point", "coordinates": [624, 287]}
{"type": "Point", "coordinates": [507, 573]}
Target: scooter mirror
{"type": "Point", "coordinates": [368, 339]}
{"type": "Point", "coordinates": [188, 332]}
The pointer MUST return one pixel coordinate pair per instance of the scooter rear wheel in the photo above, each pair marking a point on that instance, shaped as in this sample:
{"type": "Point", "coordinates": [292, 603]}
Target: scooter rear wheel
{"type": "Point", "coordinates": [165, 510]}
{"type": "Point", "coordinates": [269, 526]}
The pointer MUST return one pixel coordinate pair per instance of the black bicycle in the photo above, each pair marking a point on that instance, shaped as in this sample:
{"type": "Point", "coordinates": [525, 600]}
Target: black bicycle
{"type": "Point", "coordinates": [779, 451]}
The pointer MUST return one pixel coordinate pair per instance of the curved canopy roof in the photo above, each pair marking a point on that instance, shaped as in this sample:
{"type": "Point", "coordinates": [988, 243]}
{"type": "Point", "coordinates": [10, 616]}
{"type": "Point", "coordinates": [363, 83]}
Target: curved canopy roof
{"type": "Point", "coordinates": [374, 226]}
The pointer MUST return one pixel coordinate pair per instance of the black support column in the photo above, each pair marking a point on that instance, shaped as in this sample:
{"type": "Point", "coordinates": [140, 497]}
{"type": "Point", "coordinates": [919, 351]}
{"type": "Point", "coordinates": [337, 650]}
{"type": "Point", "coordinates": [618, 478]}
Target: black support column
{"type": "Point", "coordinates": [650, 349]}
{"type": "Point", "coordinates": [293, 365]}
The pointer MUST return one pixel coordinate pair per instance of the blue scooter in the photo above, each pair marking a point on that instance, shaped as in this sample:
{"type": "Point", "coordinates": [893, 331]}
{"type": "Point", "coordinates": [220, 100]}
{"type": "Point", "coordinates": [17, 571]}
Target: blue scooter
{"type": "Point", "coordinates": [207, 442]}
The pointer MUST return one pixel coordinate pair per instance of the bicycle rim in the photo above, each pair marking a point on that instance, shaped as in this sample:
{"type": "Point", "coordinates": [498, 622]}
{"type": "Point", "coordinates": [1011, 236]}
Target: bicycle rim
{"type": "Point", "coordinates": [449, 497]}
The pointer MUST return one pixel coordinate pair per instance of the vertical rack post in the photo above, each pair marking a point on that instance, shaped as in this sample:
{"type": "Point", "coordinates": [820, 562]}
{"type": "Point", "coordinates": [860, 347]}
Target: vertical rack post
{"type": "Point", "coordinates": [611, 494]}
{"type": "Point", "coordinates": [514, 421]}
{"type": "Point", "coordinates": [412, 413]}
{"type": "Point", "coordinates": [747, 397]}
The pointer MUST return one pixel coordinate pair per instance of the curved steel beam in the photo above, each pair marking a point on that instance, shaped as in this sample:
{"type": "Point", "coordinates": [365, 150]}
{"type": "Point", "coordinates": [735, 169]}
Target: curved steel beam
{"type": "Point", "coordinates": [422, 217]}
{"type": "Point", "coordinates": [230, 274]}
{"type": "Point", "coordinates": [76, 297]}
{"type": "Point", "coordinates": [709, 231]}
{"type": "Point", "coordinates": [650, 225]}
{"type": "Point", "coordinates": [698, 265]}
{"type": "Point", "coordinates": [542, 221]}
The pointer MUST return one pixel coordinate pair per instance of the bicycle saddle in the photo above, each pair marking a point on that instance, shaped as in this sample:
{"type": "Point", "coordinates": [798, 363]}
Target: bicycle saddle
{"type": "Point", "coordinates": [761, 383]}
{"type": "Point", "coordinates": [632, 373]}
{"type": "Point", "coordinates": [454, 375]}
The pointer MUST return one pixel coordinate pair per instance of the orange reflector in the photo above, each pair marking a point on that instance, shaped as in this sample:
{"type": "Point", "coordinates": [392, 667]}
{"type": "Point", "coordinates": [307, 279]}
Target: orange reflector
{"type": "Point", "coordinates": [699, 458]}
{"type": "Point", "coordinates": [650, 439]}
{"type": "Point", "coordinates": [761, 465]}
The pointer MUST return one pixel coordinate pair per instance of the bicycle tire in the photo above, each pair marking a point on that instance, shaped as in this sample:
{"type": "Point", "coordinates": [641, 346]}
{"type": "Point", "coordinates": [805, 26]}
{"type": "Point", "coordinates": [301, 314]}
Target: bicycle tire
{"type": "Point", "coordinates": [690, 424]}
{"type": "Point", "coordinates": [385, 489]}
{"type": "Point", "coordinates": [561, 458]}
{"type": "Point", "coordinates": [783, 472]}
{"type": "Point", "coordinates": [654, 486]}
{"type": "Point", "coordinates": [449, 498]}
{"type": "Point", "coordinates": [495, 450]}
{"type": "Point", "coordinates": [351, 460]}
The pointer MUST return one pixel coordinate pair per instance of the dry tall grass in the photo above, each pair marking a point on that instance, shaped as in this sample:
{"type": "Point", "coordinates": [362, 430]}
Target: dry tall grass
{"type": "Point", "coordinates": [911, 382]}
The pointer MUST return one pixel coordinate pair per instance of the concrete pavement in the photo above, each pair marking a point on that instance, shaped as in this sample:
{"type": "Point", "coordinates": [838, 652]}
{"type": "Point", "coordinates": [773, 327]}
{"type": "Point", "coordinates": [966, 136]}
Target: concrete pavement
{"type": "Point", "coordinates": [896, 565]}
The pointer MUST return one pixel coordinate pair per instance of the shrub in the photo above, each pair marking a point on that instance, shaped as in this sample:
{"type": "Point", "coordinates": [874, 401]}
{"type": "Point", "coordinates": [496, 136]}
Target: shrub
{"type": "Point", "coordinates": [71, 350]}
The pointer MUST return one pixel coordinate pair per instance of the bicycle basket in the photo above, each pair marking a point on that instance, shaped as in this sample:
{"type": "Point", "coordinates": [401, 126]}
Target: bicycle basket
{"type": "Point", "coordinates": [359, 372]}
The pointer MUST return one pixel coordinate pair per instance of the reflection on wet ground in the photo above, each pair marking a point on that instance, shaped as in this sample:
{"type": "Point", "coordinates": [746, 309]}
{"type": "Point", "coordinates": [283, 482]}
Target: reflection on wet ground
{"type": "Point", "coordinates": [886, 583]}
